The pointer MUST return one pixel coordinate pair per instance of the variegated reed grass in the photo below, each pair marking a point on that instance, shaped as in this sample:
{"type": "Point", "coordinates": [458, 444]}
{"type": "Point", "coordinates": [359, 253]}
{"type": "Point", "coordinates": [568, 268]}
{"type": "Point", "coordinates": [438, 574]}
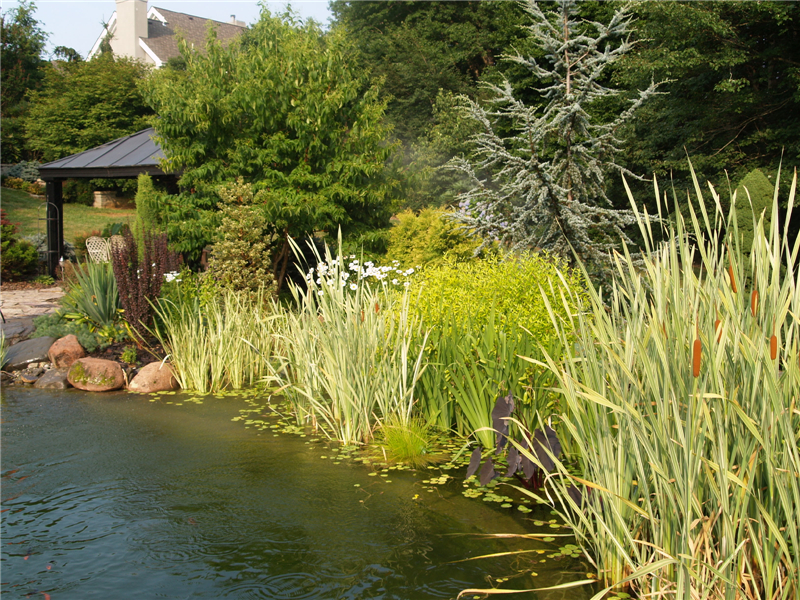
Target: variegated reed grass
{"type": "Point", "coordinates": [681, 400]}
{"type": "Point", "coordinates": [226, 343]}
{"type": "Point", "coordinates": [352, 361]}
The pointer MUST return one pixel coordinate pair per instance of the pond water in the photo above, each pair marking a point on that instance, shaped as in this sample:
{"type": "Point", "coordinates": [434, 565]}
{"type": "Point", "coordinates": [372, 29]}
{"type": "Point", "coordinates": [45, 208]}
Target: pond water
{"type": "Point", "coordinates": [112, 496]}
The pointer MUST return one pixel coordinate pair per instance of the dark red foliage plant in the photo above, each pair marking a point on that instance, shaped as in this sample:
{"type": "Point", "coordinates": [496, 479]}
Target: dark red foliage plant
{"type": "Point", "coordinates": [139, 281]}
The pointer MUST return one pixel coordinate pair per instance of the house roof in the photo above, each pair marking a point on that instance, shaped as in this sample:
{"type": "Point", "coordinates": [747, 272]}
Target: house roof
{"type": "Point", "coordinates": [125, 157]}
{"type": "Point", "coordinates": [163, 25]}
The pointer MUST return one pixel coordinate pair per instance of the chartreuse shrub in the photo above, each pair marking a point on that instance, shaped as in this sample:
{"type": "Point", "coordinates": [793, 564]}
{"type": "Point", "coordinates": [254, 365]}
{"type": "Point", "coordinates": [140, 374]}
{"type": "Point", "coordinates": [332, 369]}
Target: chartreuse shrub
{"type": "Point", "coordinates": [428, 238]}
{"type": "Point", "coordinates": [353, 350]}
{"type": "Point", "coordinates": [480, 316]}
{"type": "Point", "coordinates": [680, 392]}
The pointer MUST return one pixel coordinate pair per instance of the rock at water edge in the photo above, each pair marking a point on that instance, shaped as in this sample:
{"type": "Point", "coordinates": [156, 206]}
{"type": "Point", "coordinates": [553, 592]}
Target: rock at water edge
{"type": "Point", "coordinates": [154, 377]}
{"type": "Point", "coordinates": [96, 375]}
{"type": "Point", "coordinates": [21, 355]}
{"type": "Point", "coordinates": [65, 351]}
{"type": "Point", "coordinates": [54, 379]}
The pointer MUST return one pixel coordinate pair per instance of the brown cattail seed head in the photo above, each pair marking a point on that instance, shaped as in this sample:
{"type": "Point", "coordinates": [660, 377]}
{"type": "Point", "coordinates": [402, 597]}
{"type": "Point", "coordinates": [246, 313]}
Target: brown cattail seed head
{"type": "Point", "coordinates": [733, 279]}
{"type": "Point", "coordinates": [377, 308]}
{"type": "Point", "coordinates": [718, 329]}
{"type": "Point", "coordinates": [754, 302]}
{"type": "Point", "coordinates": [773, 347]}
{"type": "Point", "coordinates": [697, 352]}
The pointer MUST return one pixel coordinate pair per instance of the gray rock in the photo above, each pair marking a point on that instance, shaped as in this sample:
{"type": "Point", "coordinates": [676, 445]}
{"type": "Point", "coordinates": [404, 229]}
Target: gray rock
{"type": "Point", "coordinates": [54, 379]}
{"type": "Point", "coordinates": [19, 356]}
{"type": "Point", "coordinates": [30, 375]}
{"type": "Point", "coordinates": [16, 330]}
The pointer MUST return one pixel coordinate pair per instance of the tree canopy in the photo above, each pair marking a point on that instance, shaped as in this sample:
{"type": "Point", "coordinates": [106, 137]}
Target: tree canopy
{"type": "Point", "coordinates": [286, 109]}
{"type": "Point", "coordinates": [732, 100]}
{"type": "Point", "coordinates": [85, 104]}
{"type": "Point", "coordinates": [419, 48]}
{"type": "Point", "coordinates": [22, 44]}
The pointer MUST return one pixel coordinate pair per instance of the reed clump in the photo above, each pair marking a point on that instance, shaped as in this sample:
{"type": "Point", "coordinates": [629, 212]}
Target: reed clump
{"type": "Point", "coordinates": [223, 342]}
{"type": "Point", "coordinates": [681, 408]}
{"type": "Point", "coordinates": [353, 353]}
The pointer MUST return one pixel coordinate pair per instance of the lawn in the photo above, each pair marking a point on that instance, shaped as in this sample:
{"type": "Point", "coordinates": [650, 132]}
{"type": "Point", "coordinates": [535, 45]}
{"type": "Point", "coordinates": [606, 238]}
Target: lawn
{"type": "Point", "coordinates": [25, 210]}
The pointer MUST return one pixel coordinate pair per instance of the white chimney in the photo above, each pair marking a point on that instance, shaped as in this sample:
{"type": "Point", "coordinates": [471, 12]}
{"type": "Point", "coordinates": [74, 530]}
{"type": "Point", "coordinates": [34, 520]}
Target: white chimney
{"type": "Point", "coordinates": [131, 25]}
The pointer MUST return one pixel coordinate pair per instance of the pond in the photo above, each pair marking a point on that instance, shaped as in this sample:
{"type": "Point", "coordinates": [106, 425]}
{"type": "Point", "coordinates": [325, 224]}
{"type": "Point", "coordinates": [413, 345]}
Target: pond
{"type": "Point", "coordinates": [109, 495]}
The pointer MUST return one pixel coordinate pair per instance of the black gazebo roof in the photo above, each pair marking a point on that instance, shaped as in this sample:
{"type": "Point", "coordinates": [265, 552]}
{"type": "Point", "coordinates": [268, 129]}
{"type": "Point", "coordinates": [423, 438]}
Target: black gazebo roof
{"type": "Point", "coordinates": [125, 157]}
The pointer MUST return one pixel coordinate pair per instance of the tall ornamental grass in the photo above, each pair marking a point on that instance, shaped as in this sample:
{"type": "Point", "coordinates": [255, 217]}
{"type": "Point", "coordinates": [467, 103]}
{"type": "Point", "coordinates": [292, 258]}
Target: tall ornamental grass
{"type": "Point", "coordinates": [352, 360]}
{"type": "Point", "coordinates": [221, 343]}
{"type": "Point", "coordinates": [681, 402]}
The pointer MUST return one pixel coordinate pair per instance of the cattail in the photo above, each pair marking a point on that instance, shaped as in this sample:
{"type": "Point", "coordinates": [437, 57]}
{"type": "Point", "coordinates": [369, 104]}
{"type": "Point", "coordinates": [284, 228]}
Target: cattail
{"type": "Point", "coordinates": [697, 352]}
{"type": "Point", "coordinates": [377, 308]}
{"type": "Point", "coordinates": [733, 279]}
{"type": "Point", "coordinates": [718, 329]}
{"type": "Point", "coordinates": [754, 302]}
{"type": "Point", "coordinates": [773, 347]}
{"type": "Point", "coordinates": [362, 316]}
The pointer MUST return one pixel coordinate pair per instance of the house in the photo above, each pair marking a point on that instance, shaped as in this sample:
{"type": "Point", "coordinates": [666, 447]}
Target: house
{"type": "Point", "coordinates": [151, 35]}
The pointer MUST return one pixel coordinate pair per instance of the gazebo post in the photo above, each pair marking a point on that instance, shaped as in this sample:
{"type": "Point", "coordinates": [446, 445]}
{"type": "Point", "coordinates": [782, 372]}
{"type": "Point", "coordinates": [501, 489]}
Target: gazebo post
{"type": "Point", "coordinates": [55, 224]}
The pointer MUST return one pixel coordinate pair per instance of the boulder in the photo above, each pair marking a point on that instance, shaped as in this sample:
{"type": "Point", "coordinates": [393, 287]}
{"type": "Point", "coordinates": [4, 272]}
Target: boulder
{"type": "Point", "coordinates": [96, 375]}
{"type": "Point", "coordinates": [54, 379]}
{"type": "Point", "coordinates": [154, 377]}
{"type": "Point", "coordinates": [65, 351]}
{"type": "Point", "coordinates": [21, 355]}
{"type": "Point", "coordinates": [17, 329]}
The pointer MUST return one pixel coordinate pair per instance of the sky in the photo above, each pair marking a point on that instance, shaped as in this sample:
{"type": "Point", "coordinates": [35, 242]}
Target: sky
{"type": "Point", "coordinates": [77, 23]}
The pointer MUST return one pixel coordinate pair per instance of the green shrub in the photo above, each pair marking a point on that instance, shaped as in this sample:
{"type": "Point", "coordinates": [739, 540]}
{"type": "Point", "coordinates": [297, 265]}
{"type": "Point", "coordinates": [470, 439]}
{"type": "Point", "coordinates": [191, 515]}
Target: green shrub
{"type": "Point", "coordinates": [753, 198]}
{"type": "Point", "coordinates": [148, 202]}
{"type": "Point", "coordinates": [18, 258]}
{"type": "Point", "coordinates": [428, 238]}
{"type": "Point", "coordinates": [241, 257]}
{"type": "Point", "coordinates": [24, 170]}
{"type": "Point", "coordinates": [78, 191]}
{"type": "Point", "coordinates": [55, 325]}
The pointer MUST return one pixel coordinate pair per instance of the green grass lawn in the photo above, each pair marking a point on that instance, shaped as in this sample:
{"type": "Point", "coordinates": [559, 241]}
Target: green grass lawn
{"type": "Point", "coordinates": [25, 210]}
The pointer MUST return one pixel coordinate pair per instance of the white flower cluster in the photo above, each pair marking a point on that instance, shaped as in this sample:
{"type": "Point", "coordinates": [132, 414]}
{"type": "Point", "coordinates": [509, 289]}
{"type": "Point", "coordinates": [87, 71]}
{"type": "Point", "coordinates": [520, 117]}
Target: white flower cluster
{"type": "Point", "coordinates": [333, 273]}
{"type": "Point", "coordinates": [172, 276]}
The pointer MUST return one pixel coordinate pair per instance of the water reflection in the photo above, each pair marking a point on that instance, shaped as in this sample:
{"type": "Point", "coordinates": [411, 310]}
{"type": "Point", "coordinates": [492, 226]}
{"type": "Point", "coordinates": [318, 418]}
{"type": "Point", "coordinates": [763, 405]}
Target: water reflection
{"type": "Point", "coordinates": [110, 495]}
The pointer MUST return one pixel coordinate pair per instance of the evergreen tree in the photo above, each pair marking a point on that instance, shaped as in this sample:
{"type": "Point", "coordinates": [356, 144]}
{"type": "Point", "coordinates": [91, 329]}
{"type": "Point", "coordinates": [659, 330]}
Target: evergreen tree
{"type": "Point", "coordinates": [542, 184]}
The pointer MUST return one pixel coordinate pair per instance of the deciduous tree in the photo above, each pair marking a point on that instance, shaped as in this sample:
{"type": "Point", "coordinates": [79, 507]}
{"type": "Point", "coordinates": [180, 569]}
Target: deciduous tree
{"type": "Point", "coordinates": [286, 110]}
{"type": "Point", "coordinates": [21, 48]}
{"type": "Point", "coordinates": [85, 104]}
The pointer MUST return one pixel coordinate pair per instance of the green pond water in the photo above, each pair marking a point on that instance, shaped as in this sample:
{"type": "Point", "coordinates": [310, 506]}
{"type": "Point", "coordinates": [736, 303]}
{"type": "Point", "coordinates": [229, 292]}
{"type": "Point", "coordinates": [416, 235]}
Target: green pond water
{"type": "Point", "coordinates": [113, 496]}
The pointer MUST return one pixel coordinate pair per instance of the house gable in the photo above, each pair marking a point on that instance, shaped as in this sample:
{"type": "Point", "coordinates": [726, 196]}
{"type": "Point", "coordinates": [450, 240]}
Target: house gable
{"type": "Point", "coordinates": [164, 28]}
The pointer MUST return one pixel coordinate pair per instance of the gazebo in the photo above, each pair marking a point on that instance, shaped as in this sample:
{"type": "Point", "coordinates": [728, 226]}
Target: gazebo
{"type": "Point", "coordinates": [126, 157]}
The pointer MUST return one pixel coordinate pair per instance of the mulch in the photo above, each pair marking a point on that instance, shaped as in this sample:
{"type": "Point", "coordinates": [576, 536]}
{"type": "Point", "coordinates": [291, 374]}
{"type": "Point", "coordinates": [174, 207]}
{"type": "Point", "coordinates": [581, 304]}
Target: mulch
{"type": "Point", "coordinates": [18, 286]}
{"type": "Point", "coordinates": [147, 351]}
